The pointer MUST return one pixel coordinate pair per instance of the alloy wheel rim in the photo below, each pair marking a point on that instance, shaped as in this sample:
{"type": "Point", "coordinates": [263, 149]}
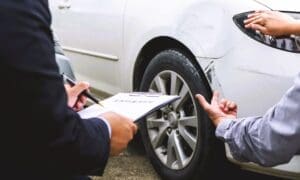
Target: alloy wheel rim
{"type": "Point", "coordinates": [173, 130]}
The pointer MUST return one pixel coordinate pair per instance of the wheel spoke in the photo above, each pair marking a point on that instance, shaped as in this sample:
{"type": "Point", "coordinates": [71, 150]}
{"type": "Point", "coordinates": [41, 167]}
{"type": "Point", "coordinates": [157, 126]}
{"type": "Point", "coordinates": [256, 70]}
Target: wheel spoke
{"type": "Point", "coordinates": [174, 88]}
{"type": "Point", "coordinates": [160, 84]}
{"type": "Point", "coordinates": [158, 139]}
{"type": "Point", "coordinates": [189, 121]}
{"type": "Point", "coordinates": [170, 152]}
{"type": "Point", "coordinates": [175, 151]}
{"type": "Point", "coordinates": [178, 152]}
{"type": "Point", "coordinates": [184, 94]}
{"type": "Point", "coordinates": [156, 123]}
{"type": "Point", "coordinates": [189, 138]}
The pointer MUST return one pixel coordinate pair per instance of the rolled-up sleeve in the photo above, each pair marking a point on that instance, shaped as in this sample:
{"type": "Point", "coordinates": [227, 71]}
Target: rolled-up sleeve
{"type": "Point", "coordinates": [269, 140]}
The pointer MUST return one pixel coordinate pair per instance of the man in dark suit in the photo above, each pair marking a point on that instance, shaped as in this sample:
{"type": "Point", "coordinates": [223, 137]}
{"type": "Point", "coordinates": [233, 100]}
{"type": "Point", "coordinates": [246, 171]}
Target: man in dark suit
{"type": "Point", "coordinates": [41, 136]}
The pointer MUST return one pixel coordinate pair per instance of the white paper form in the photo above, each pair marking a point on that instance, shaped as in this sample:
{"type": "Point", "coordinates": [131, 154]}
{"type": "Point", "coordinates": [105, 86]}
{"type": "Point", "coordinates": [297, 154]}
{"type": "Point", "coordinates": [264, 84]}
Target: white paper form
{"type": "Point", "coordinates": [131, 105]}
{"type": "Point", "coordinates": [94, 110]}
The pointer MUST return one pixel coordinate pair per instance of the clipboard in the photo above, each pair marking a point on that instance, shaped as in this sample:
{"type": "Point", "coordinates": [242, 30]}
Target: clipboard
{"type": "Point", "coordinates": [135, 105]}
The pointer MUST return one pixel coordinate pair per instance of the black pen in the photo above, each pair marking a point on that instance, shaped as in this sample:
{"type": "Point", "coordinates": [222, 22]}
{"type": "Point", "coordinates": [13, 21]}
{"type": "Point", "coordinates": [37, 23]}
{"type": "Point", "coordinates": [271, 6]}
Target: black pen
{"type": "Point", "coordinates": [85, 92]}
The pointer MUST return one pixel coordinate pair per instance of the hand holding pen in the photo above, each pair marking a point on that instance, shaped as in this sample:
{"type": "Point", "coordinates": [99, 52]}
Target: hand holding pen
{"type": "Point", "coordinates": [78, 93]}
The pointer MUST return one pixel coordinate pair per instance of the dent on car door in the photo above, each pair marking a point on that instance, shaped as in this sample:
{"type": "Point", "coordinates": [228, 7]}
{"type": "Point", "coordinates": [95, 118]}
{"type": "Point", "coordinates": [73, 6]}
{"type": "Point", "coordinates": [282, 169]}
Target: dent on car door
{"type": "Point", "coordinates": [91, 34]}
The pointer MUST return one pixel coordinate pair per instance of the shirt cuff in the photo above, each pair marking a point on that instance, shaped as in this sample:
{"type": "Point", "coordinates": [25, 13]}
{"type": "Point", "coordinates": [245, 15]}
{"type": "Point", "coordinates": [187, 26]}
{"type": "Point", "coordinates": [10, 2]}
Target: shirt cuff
{"type": "Point", "coordinates": [222, 128]}
{"type": "Point", "coordinates": [108, 126]}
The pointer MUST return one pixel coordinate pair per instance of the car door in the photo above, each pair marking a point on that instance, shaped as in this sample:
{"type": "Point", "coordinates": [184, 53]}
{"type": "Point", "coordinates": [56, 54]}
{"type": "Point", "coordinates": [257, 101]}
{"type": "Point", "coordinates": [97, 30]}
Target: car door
{"type": "Point", "coordinates": [90, 32]}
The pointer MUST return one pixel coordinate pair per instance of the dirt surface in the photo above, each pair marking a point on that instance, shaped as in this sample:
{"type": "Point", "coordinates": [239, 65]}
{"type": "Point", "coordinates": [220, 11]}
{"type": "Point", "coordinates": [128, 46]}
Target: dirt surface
{"type": "Point", "coordinates": [130, 165]}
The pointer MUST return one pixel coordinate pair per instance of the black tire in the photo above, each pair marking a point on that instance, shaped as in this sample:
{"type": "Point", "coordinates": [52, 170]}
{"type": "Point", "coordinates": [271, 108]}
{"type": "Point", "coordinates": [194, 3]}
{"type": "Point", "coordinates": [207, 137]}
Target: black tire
{"type": "Point", "coordinates": [202, 159]}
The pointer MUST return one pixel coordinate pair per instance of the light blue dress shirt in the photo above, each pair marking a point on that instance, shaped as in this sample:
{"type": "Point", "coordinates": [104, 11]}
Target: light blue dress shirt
{"type": "Point", "coordinates": [271, 139]}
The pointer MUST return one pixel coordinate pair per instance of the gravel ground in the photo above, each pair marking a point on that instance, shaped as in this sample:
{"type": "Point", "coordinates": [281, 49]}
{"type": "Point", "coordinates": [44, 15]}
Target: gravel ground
{"type": "Point", "coordinates": [130, 165]}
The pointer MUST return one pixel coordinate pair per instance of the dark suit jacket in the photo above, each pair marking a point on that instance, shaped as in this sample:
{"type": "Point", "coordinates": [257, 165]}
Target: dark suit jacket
{"type": "Point", "coordinates": [39, 134]}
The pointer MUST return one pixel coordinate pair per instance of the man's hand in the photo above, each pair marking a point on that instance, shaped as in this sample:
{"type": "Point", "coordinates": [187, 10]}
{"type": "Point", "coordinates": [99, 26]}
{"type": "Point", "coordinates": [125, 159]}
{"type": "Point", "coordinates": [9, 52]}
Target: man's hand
{"type": "Point", "coordinates": [122, 131]}
{"type": "Point", "coordinates": [218, 111]}
{"type": "Point", "coordinates": [75, 100]}
{"type": "Point", "coordinates": [272, 23]}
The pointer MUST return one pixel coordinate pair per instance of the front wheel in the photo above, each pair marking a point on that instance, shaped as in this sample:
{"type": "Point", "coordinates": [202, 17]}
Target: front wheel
{"type": "Point", "coordinates": [179, 138]}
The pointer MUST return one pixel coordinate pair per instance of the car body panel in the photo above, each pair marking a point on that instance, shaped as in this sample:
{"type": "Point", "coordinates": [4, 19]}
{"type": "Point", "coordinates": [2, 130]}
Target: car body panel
{"type": "Point", "coordinates": [289, 170]}
{"type": "Point", "coordinates": [78, 28]}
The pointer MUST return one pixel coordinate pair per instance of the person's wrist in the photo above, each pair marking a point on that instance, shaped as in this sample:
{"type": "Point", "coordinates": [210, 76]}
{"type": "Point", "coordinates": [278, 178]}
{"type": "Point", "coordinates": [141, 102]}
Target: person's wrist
{"type": "Point", "coordinates": [217, 121]}
{"type": "Point", "coordinates": [293, 27]}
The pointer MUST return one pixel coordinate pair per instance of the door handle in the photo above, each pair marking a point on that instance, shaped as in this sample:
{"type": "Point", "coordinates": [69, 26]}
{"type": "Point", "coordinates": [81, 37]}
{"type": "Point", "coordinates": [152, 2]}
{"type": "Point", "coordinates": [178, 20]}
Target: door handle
{"type": "Point", "coordinates": [64, 4]}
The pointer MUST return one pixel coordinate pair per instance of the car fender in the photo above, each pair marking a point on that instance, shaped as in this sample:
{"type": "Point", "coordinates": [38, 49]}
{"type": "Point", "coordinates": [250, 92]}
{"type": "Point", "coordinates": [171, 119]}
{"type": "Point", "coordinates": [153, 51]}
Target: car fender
{"type": "Point", "coordinates": [184, 21]}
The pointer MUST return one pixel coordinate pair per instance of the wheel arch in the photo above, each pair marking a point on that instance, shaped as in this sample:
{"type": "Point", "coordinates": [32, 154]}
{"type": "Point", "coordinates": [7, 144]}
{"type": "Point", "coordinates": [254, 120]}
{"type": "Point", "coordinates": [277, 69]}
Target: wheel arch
{"type": "Point", "coordinates": [152, 48]}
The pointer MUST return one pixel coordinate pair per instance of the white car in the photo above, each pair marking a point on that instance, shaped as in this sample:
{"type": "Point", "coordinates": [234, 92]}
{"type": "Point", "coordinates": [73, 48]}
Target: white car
{"type": "Point", "coordinates": [181, 47]}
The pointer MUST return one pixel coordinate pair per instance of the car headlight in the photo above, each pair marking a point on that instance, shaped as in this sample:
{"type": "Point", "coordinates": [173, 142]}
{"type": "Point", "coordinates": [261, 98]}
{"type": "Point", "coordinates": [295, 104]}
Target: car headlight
{"type": "Point", "coordinates": [288, 43]}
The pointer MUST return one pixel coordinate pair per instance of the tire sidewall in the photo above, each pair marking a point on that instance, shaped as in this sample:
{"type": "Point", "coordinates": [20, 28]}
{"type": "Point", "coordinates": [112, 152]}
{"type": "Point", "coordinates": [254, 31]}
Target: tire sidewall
{"type": "Point", "coordinates": [173, 60]}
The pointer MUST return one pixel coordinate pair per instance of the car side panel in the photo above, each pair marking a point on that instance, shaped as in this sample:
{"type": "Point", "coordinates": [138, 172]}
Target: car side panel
{"type": "Point", "coordinates": [91, 32]}
{"type": "Point", "coordinates": [256, 76]}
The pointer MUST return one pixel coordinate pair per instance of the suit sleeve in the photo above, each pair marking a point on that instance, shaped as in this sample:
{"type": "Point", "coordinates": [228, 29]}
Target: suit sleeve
{"type": "Point", "coordinates": [268, 140]}
{"type": "Point", "coordinates": [44, 130]}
